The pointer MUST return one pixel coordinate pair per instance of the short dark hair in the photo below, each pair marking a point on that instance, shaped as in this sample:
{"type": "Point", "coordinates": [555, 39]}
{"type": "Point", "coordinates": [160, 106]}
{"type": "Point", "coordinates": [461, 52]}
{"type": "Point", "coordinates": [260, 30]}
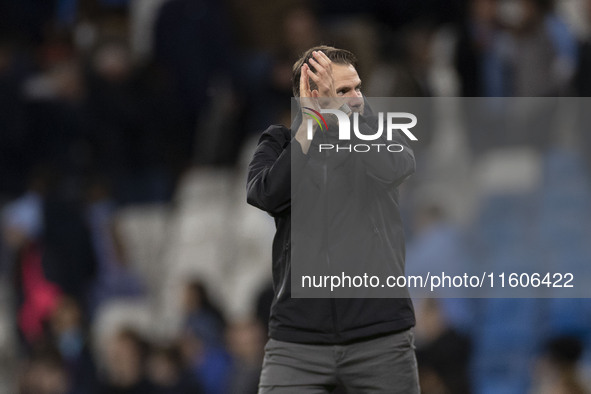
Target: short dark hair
{"type": "Point", "coordinates": [339, 56]}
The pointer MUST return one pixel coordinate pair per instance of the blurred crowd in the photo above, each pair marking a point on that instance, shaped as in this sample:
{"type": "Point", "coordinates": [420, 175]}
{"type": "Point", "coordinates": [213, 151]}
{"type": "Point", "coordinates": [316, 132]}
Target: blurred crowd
{"type": "Point", "coordinates": [107, 104]}
{"type": "Point", "coordinates": [208, 355]}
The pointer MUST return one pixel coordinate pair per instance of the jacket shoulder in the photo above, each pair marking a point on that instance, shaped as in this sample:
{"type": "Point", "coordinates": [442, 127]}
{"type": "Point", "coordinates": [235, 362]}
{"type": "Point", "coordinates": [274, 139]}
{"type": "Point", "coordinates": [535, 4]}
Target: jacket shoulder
{"type": "Point", "coordinates": [276, 133]}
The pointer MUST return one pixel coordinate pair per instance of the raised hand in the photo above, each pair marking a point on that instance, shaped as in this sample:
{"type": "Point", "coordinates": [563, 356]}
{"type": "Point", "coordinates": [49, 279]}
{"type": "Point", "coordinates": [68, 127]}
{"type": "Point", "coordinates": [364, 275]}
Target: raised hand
{"type": "Point", "coordinates": [325, 90]}
{"type": "Point", "coordinates": [307, 99]}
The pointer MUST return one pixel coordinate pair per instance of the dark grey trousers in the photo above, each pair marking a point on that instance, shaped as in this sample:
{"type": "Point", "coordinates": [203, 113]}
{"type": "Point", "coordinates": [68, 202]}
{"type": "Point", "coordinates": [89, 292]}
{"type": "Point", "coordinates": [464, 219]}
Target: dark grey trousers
{"type": "Point", "coordinates": [382, 365]}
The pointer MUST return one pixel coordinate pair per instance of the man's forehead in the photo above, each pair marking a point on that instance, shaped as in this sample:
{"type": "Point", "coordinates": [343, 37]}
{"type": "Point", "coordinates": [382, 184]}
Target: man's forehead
{"type": "Point", "coordinates": [344, 73]}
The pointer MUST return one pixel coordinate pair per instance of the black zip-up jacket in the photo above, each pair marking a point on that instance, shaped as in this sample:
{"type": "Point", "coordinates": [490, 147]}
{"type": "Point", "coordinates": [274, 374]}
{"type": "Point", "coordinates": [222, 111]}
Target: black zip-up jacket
{"type": "Point", "coordinates": [277, 159]}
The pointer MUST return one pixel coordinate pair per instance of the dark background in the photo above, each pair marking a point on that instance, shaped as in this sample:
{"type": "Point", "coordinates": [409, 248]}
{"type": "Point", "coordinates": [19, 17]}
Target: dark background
{"type": "Point", "coordinates": [129, 259]}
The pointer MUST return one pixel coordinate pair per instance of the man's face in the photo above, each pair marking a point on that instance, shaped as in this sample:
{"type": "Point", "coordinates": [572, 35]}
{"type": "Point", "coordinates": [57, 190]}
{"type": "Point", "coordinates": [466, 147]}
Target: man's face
{"type": "Point", "coordinates": [348, 85]}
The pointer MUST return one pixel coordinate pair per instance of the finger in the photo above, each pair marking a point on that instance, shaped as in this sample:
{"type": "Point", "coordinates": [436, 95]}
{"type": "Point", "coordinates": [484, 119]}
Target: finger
{"type": "Point", "coordinates": [316, 78]}
{"type": "Point", "coordinates": [323, 59]}
{"type": "Point", "coordinates": [324, 83]}
{"type": "Point", "coordinates": [321, 83]}
{"type": "Point", "coordinates": [315, 93]}
{"type": "Point", "coordinates": [307, 79]}
{"type": "Point", "coordinates": [304, 81]}
{"type": "Point", "coordinates": [319, 68]}
{"type": "Point", "coordinates": [302, 85]}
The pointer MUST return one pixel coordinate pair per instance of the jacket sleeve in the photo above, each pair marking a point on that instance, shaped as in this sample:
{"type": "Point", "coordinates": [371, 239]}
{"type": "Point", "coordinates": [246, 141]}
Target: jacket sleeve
{"type": "Point", "coordinates": [388, 168]}
{"type": "Point", "coordinates": [269, 173]}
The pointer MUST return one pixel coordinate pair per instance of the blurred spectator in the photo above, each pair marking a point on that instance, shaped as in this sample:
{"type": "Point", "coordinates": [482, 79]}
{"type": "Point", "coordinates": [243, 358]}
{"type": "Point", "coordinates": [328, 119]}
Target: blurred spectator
{"type": "Point", "coordinates": [114, 277]}
{"type": "Point", "coordinates": [208, 362]}
{"type": "Point", "coordinates": [126, 146]}
{"type": "Point", "coordinates": [267, 75]}
{"type": "Point", "coordinates": [439, 245]}
{"type": "Point", "coordinates": [202, 342]}
{"type": "Point", "coordinates": [68, 254]}
{"type": "Point", "coordinates": [246, 346]}
{"type": "Point", "coordinates": [544, 55]}
{"type": "Point", "coordinates": [56, 121]}
{"type": "Point", "coordinates": [201, 316]}
{"type": "Point", "coordinates": [15, 67]}
{"type": "Point", "coordinates": [582, 87]}
{"type": "Point", "coordinates": [44, 373]}
{"type": "Point", "coordinates": [38, 297]}
{"type": "Point", "coordinates": [480, 52]}
{"type": "Point", "coordinates": [582, 80]}
{"type": "Point", "coordinates": [166, 373]}
{"type": "Point", "coordinates": [443, 354]}
{"type": "Point", "coordinates": [406, 60]}
{"type": "Point", "coordinates": [263, 69]}
{"type": "Point", "coordinates": [69, 336]}
{"type": "Point", "coordinates": [23, 225]}
{"type": "Point", "coordinates": [192, 44]}
{"type": "Point", "coordinates": [515, 48]}
{"type": "Point", "coordinates": [55, 139]}
{"type": "Point", "coordinates": [300, 30]}
{"type": "Point", "coordinates": [557, 371]}
{"type": "Point", "coordinates": [22, 219]}
{"type": "Point", "coordinates": [124, 365]}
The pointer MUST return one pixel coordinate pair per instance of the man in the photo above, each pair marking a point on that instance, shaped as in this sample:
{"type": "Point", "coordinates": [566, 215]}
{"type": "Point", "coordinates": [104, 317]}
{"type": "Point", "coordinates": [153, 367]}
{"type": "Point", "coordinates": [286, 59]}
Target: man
{"type": "Point", "coordinates": [316, 344]}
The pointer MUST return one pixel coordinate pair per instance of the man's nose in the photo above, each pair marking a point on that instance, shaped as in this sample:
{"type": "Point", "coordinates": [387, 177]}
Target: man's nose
{"type": "Point", "coordinates": [355, 100]}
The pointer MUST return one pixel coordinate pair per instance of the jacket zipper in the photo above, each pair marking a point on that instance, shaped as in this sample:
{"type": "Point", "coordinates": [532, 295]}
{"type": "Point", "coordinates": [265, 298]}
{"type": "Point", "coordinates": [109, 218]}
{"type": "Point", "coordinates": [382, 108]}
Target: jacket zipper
{"type": "Point", "coordinates": [333, 307]}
